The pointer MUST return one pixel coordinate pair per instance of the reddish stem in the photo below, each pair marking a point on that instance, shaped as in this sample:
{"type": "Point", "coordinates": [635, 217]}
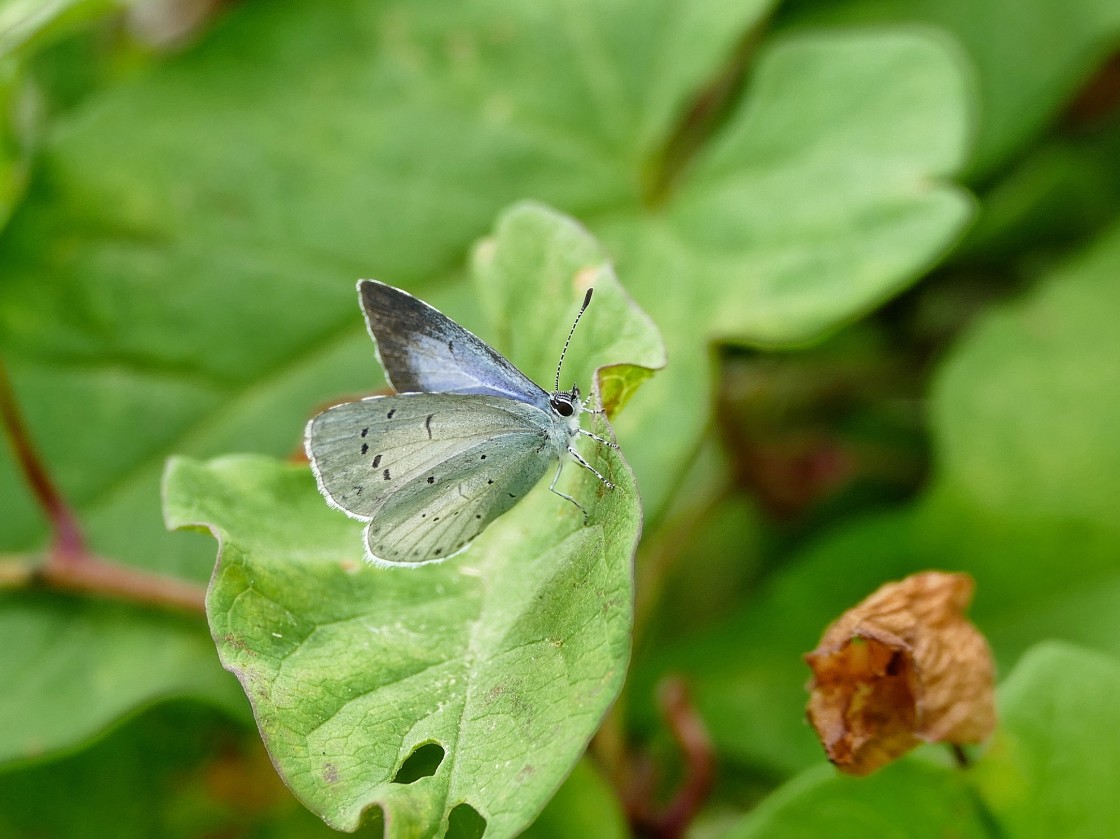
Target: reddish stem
{"type": "Point", "coordinates": [69, 565]}
{"type": "Point", "coordinates": [672, 820]}
{"type": "Point", "coordinates": [69, 544]}
{"type": "Point", "coordinates": [87, 574]}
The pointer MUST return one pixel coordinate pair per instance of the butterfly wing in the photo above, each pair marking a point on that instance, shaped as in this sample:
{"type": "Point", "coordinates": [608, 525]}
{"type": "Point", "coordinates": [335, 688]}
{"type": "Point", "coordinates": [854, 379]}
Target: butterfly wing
{"type": "Point", "coordinates": [423, 350]}
{"type": "Point", "coordinates": [428, 471]}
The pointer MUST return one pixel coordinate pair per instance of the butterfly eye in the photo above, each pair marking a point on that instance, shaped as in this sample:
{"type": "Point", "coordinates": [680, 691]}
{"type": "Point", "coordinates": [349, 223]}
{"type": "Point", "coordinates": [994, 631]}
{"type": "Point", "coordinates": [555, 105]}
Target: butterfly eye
{"type": "Point", "coordinates": [561, 405]}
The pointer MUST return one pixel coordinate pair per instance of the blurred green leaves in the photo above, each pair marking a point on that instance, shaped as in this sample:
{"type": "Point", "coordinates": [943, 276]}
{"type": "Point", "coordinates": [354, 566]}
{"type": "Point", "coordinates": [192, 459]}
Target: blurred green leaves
{"type": "Point", "coordinates": [1025, 469]}
{"type": "Point", "coordinates": [1027, 61]}
{"type": "Point", "coordinates": [176, 278]}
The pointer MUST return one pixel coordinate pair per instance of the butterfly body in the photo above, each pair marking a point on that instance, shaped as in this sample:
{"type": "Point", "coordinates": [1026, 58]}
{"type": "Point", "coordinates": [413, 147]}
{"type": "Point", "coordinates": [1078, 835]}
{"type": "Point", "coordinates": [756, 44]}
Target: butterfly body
{"type": "Point", "coordinates": [465, 438]}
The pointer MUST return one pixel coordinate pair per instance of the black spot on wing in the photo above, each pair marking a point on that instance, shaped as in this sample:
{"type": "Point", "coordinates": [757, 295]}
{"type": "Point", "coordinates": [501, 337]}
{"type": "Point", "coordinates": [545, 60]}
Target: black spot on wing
{"type": "Point", "coordinates": [376, 461]}
{"type": "Point", "coordinates": [385, 475]}
{"type": "Point", "coordinates": [428, 425]}
{"type": "Point", "coordinates": [365, 448]}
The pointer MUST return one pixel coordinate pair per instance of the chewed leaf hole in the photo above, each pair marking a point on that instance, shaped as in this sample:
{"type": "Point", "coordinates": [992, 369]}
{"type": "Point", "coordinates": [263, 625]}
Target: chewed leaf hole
{"type": "Point", "coordinates": [424, 761]}
{"type": "Point", "coordinates": [464, 822]}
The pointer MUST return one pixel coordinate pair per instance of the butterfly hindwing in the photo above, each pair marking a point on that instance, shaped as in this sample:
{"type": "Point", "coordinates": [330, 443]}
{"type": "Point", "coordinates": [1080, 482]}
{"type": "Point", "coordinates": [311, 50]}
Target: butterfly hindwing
{"type": "Point", "coordinates": [437, 520]}
{"type": "Point", "coordinates": [422, 349]}
{"type": "Point", "coordinates": [439, 467]}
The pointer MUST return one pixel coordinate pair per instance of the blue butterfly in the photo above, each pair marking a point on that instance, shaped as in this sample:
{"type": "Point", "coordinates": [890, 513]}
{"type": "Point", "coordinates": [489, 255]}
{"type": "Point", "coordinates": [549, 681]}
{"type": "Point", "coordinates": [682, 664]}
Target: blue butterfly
{"type": "Point", "coordinates": [464, 439]}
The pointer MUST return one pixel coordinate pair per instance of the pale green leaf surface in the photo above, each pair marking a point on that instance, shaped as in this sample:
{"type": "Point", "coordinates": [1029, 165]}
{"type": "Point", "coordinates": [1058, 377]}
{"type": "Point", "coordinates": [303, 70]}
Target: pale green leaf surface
{"type": "Point", "coordinates": [1025, 442]}
{"type": "Point", "coordinates": [537, 259]}
{"type": "Point", "coordinates": [506, 656]}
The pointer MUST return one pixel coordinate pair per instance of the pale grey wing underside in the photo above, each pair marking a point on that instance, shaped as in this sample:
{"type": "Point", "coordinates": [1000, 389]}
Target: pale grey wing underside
{"type": "Point", "coordinates": [428, 471]}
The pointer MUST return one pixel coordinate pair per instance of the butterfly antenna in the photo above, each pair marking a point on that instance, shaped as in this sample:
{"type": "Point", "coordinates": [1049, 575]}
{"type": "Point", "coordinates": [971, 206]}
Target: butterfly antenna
{"type": "Point", "coordinates": [571, 332]}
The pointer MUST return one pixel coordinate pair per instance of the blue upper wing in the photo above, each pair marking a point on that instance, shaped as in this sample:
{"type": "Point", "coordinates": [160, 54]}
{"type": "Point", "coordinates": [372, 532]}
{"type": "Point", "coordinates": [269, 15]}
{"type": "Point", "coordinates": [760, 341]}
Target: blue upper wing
{"type": "Point", "coordinates": [424, 351]}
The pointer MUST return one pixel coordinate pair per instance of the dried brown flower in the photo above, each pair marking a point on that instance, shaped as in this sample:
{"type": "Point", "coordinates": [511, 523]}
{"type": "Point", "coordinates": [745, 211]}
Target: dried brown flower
{"type": "Point", "coordinates": [902, 667]}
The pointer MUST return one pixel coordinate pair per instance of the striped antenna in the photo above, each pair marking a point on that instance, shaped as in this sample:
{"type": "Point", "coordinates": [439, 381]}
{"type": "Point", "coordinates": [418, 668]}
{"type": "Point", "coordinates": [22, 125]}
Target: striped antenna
{"type": "Point", "coordinates": [571, 332]}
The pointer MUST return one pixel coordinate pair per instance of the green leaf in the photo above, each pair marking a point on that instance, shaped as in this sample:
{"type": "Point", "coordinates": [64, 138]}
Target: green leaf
{"type": "Point", "coordinates": [505, 657]}
{"type": "Point", "coordinates": [446, 143]}
{"type": "Point", "coordinates": [1018, 93]}
{"type": "Point", "coordinates": [531, 240]}
{"type": "Point", "coordinates": [1052, 769]}
{"type": "Point", "coordinates": [1027, 470]}
{"type": "Point", "coordinates": [472, 684]}
{"type": "Point", "coordinates": [175, 771]}
{"type": "Point", "coordinates": [907, 800]}
{"type": "Point", "coordinates": [1038, 445]}
{"type": "Point", "coordinates": [51, 668]}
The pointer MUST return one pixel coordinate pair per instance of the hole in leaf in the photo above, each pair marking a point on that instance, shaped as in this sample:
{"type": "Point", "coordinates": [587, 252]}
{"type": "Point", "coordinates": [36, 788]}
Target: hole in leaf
{"type": "Point", "coordinates": [373, 823]}
{"type": "Point", "coordinates": [464, 822]}
{"type": "Point", "coordinates": [423, 761]}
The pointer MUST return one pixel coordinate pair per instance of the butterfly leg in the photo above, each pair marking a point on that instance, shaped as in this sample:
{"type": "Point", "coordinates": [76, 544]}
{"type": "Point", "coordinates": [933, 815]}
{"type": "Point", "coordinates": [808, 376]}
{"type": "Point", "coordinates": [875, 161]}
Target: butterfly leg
{"type": "Point", "coordinates": [589, 468]}
{"type": "Point", "coordinates": [599, 439]}
{"type": "Point", "coordinates": [552, 488]}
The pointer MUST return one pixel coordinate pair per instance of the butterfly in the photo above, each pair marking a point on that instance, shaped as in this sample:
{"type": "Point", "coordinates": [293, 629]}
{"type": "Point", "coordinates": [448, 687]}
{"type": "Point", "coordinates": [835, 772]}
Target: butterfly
{"type": "Point", "coordinates": [466, 436]}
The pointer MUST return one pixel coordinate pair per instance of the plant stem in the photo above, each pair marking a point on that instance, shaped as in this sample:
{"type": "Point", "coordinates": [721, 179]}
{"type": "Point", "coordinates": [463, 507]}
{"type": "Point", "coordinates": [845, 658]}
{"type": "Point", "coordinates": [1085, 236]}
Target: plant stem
{"type": "Point", "coordinates": [671, 821]}
{"type": "Point", "coordinates": [69, 542]}
{"type": "Point", "coordinates": [68, 564]}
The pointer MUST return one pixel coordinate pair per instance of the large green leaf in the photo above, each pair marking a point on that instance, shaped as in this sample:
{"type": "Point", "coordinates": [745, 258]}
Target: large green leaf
{"type": "Point", "coordinates": [505, 657]}
{"type": "Point", "coordinates": [1027, 472]}
{"type": "Point", "coordinates": [494, 667]}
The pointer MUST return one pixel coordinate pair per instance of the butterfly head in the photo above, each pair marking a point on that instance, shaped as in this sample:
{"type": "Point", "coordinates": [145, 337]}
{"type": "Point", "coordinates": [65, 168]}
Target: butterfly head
{"type": "Point", "coordinates": [566, 403]}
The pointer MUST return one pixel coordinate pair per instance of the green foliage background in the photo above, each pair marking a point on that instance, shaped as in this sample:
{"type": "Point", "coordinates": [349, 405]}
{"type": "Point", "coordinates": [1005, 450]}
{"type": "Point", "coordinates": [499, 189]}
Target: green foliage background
{"type": "Point", "coordinates": [870, 248]}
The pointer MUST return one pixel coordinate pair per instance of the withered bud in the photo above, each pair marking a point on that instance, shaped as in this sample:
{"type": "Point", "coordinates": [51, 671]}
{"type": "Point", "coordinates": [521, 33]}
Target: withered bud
{"type": "Point", "coordinates": [902, 667]}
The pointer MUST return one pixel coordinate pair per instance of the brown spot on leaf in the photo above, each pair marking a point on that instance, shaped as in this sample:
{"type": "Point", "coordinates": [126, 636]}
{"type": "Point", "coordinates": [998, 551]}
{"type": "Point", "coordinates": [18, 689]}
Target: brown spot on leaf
{"type": "Point", "coordinates": [902, 667]}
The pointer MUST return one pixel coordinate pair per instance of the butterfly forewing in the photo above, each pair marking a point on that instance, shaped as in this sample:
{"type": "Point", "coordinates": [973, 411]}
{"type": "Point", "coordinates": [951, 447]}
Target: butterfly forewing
{"type": "Point", "coordinates": [424, 350]}
{"type": "Point", "coordinates": [439, 467]}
